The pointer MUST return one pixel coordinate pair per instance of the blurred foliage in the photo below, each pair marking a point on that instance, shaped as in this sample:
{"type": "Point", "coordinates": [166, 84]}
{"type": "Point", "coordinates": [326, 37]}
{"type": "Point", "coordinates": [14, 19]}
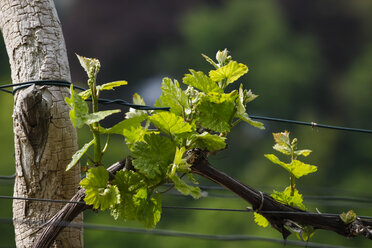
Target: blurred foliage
{"type": "Point", "coordinates": [308, 60]}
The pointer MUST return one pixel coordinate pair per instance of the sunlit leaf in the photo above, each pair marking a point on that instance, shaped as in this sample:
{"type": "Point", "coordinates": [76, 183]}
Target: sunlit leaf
{"type": "Point", "coordinates": [97, 192]}
{"type": "Point", "coordinates": [202, 82]}
{"type": "Point", "coordinates": [90, 65]}
{"type": "Point", "coordinates": [77, 156]}
{"type": "Point", "coordinates": [305, 152]}
{"type": "Point", "coordinates": [260, 220]}
{"type": "Point", "coordinates": [288, 198]}
{"type": "Point", "coordinates": [79, 108]}
{"type": "Point", "coordinates": [153, 155]}
{"type": "Point", "coordinates": [216, 111]}
{"type": "Point", "coordinates": [296, 167]}
{"type": "Point", "coordinates": [210, 61]}
{"type": "Point", "coordinates": [128, 183]}
{"type": "Point", "coordinates": [306, 233]}
{"type": "Point", "coordinates": [230, 72]}
{"type": "Point", "coordinates": [208, 141]}
{"type": "Point", "coordinates": [148, 208]}
{"type": "Point", "coordinates": [184, 188]}
{"type": "Point", "coordinates": [174, 97]}
{"type": "Point", "coordinates": [132, 113]}
{"type": "Point", "coordinates": [348, 217]}
{"type": "Point", "coordinates": [96, 117]}
{"type": "Point", "coordinates": [111, 85]}
{"type": "Point", "coordinates": [170, 123]}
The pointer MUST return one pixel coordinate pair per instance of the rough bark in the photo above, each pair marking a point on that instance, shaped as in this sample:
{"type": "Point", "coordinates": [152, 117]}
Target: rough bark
{"type": "Point", "coordinates": [44, 137]}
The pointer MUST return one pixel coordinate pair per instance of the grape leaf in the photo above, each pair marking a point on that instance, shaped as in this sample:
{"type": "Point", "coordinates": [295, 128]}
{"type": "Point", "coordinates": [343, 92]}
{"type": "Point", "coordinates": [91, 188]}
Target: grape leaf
{"type": "Point", "coordinates": [174, 97]}
{"type": "Point", "coordinates": [243, 98]}
{"type": "Point", "coordinates": [90, 65]}
{"type": "Point", "coordinates": [111, 85]}
{"type": "Point", "coordinates": [184, 188]}
{"type": "Point", "coordinates": [202, 82]}
{"type": "Point", "coordinates": [231, 72]}
{"type": "Point", "coordinates": [282, 138]}
{"type": "Point", "coordinates": [306, 233]}
{"type": "Point", "coordinates": [108, 86]}
{"type": "Point", "coordinates": [216, 111]}
{"type": "Point", "coordinates": [296, 167]}
{"type": "Point", "coordinates": [305, 152]}
{"type": "Point", "coordinates": [148, 208]}
{"type": "Point", "coordinates": [300, 169]}
{"type": "Point", "coordinates": [77, 156]}
{"type": "Point", "coordinates": [208, 141]}
{"type": "Point", "coordinates": [85, 94]}
{"type": "Point", "coordinates": [126, 124]}
{"type": "Point", "coordinates": [96, 117]}
{"type": "Point", "coordinates": [348, 217]}
{"type": "Point", "coordinates": [210, 61]}
{"type": "Point", "coordinates": [153, 155]}
{"type": "Point", "coordinates": [79, 113]}
{"type": "Point", "coordinates": [79, 108]}
{"type": "Point", "coordinates": [260, 220]}
{"type": "Point", "coordinates": [137, 99]}
{"type": "Point", "coordinates": [128, 183]}
{"type": "Point", "coordinates": [245, 117]}
{"type": "Point", "coordinates": [285, 197]}
{"type": "Point", "coordinates": [170, 123]}
{"type": "Point", "coordinates": [179, 163]}
{"type": "Point", "coordinates": [97, 192]}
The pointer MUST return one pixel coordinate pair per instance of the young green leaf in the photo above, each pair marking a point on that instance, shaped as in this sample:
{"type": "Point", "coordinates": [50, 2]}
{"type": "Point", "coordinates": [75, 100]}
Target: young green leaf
{"type": "Point", "coordinates": [85, 94]}
{"type": "Point", "coordinates": [287, 198]}
{"type": "Point", "coordinates": [79, 113]}
{"type": "Point", "coordinates": [128, 183]}
{"type": "Point", "coordinates": [210, 61]}
{"type": "Point", "coordinates": [300, 169]}
{"type": "Point", "coordinates": [174, 97]}
{"type": "Point", "coordinates": [230, 72]}
{"type": "Point", "coordinates": [97, 192]}
{"type": "Point", "coordinates": [90, 65]}
{"type": "Point", "coordinates": [202, 82]}
{"type": "Point", "coordinates": [148, 208]}
{"type": "Point", "coordinates": [282, 138]}
{"type": "Point", "coordinates": [179, 163]}
{"type": "Point", "coordinates": [153, 156]}
{"type": "Point", "coordinates": [348, 217]}
{"type": "Point", "coordinates": [137, 99]}
{"type": "Point", "coordinates": [260, 220]}
{"type": "Point", "coordinates": [216, 111]}
{"type": "Point", "coordinates": [243, 98]}
{"type": "Point", "coordinates": [296, 167]}
{"type": "Point", "coordinates": [79, 108]}
{"type": "Point", "coordinates": [170, 123]}
{"type": "Point", "coordinates": [111, 85]}
{"type": "Point", "coordinates": [306, 233]}
{"type": "Point", "coordinates": [305, 152]}
{"type": "Point", "coordinates": [208, 141]}
{"type": "Point", "coordinates": [96, 117]}
{"type": "Point", "coordinates": [77, 156]}
{"type": "Point", "coordinates": [184, 188]}
{"type": "Point", "coordinates": [125, 124]}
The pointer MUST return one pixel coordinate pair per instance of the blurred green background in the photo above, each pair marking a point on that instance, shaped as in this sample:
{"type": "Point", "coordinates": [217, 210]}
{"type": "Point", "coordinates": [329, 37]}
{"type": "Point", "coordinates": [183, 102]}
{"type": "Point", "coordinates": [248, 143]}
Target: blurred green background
{"type": "Point", "coordinates": [308, 60]}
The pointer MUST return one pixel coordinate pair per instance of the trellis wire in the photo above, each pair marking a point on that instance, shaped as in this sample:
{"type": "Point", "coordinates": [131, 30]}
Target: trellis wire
{"type": "Point", "coordinates": [145, 107]}
{"type": "Point", "coordinates": [180, 207]}
{"type": "Point", "coordinates": [173, 233]}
